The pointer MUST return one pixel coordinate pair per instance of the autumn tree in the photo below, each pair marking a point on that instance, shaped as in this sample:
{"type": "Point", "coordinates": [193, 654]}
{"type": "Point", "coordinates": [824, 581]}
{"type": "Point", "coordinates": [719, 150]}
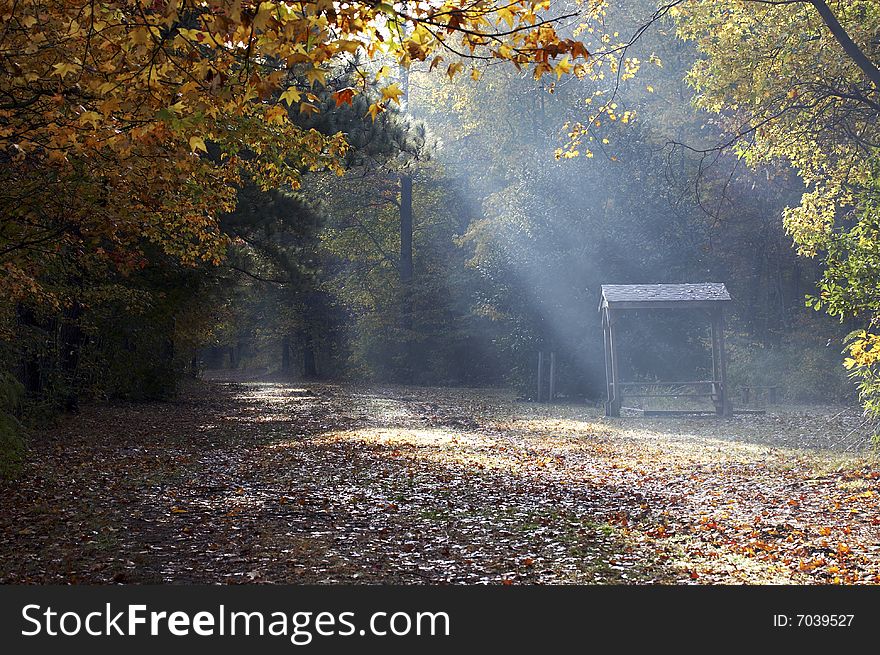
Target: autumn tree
{"type": "Point", "coordinates": [805, 90]}
{"type": "Point", "coordinates": [128, 128]}
{"type": "Point", "coordinates": [110, 104]}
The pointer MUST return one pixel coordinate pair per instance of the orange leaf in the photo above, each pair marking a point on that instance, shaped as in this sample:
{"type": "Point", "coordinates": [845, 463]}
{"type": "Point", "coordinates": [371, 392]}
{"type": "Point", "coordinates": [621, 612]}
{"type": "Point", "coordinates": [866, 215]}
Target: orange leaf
{"type": "Point", "coordinates": [344, 96]}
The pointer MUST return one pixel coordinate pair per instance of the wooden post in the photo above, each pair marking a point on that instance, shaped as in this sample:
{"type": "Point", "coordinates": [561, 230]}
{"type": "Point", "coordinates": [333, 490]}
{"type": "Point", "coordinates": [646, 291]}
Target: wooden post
{"type": "Point", "coordinates": [615, 399]}
{"type": "Point", "coordinates": [607, 339]}
{"type": "Point", "coordinates": [716, 359]}
{"type": "Point", "coordinates": [552, 394]}
{"type": "Point", "coordinates": [726, 409]}
{"type": "Point", "coordinates": [540, 396]}
{"type": "Point", "coordinates": [714, 348]}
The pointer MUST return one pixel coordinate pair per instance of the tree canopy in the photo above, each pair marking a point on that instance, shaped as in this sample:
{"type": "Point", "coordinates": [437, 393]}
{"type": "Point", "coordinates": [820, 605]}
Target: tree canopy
{"type": "Point", "coordinates": [805, 90]}
{"type": "Point", "coordinates": [131, 122]}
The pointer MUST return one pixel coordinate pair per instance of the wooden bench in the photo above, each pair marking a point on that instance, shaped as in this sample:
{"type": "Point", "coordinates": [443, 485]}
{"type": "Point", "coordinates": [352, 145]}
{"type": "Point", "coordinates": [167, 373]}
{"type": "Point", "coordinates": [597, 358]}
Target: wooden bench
{"type": "Point", "coordinates": [771, 393]}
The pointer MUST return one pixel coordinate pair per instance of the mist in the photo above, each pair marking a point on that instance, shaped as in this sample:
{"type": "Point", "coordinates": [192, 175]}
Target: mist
{"type": "Point", "coordinates": [512, 237]}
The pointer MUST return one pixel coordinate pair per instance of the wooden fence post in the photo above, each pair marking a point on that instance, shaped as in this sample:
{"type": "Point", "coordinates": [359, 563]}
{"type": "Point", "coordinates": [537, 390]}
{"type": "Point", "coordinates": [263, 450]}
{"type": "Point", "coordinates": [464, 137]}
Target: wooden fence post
{"type": "Point", "coordinates": [540, 396]}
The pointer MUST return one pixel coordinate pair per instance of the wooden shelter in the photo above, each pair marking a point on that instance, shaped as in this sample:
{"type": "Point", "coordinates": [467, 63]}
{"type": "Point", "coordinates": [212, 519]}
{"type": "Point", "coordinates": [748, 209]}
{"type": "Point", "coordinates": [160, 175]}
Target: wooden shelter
{"type": "Point", "coordinates": [709, 297]}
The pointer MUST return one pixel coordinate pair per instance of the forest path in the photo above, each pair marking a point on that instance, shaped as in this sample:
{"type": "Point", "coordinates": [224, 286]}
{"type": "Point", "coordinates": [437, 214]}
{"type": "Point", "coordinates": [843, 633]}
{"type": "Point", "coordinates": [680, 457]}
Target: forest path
{"type": "Point", "coordinates": [278, 482]}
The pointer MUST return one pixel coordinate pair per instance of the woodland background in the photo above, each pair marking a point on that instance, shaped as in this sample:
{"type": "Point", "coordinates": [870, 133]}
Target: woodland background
{"type": "Point", "coordinates": [399, 218]}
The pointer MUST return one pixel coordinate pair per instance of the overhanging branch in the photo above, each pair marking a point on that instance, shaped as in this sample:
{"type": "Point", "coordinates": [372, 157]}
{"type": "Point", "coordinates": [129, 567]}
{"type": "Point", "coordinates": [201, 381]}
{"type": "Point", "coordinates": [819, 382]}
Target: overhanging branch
{"type": "Point", "coordinates": [849, 46]}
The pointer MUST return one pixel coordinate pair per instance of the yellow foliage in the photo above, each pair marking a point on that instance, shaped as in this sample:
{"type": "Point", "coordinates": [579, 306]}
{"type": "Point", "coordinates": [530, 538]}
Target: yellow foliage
{"type": "Point", "coordinates": [105, 102]}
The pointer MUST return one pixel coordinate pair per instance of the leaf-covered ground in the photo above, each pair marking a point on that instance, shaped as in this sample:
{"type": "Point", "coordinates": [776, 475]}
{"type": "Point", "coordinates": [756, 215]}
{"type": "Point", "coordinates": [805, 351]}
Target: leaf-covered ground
{"type": "Point", "coordinates": [274, 482]}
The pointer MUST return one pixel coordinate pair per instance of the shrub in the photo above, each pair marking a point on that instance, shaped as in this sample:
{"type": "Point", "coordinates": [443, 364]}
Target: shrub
{"type": "Point", "coordinates": [12, 446]}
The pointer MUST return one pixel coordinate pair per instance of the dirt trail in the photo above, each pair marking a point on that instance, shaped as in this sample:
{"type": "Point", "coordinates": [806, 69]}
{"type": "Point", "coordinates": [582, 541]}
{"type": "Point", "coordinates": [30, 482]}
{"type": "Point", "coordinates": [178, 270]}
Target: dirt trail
{"type": "Point", "coordinates": [274, 482]}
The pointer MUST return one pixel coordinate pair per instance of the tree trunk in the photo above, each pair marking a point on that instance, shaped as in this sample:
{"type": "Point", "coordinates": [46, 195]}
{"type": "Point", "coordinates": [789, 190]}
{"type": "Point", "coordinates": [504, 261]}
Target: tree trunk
{"type": "Point", "coordinates": [70, 345]}
{"type": "Point", "coordinates": [406, 270]}
{"type": "Point", "coordinates": [285, 354]}
{"type": "Point", "coordinates": [406, 229]}
{"type": "Point", "coordinates": [310, 361]}
{"type": "Point", "coordinates": [30, 361]}
{"type": "Point", "coordinates": [406, 250]}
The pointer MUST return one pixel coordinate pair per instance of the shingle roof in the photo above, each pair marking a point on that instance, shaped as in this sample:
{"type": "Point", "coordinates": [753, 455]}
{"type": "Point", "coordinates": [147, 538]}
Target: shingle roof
{"type": "Point", "coordinates": [654, 294]}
